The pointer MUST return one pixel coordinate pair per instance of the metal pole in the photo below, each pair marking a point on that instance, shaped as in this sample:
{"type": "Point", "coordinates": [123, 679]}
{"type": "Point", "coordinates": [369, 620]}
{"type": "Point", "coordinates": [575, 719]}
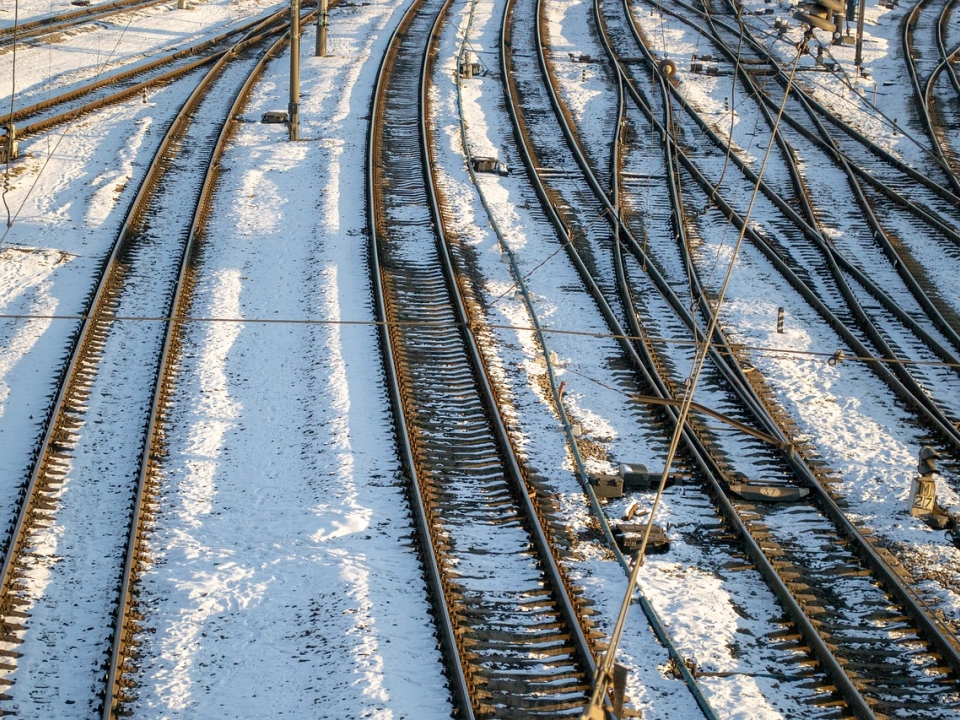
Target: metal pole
{"type": "Point", "coordinates": [858, 60]}
{"type": "Point", "coordinates": [322, 30]}
{"type": "Point", "coordinates": [294, 107]}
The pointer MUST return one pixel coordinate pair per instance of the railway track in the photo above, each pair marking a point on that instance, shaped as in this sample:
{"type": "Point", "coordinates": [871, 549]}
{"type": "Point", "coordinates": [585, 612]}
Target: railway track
{"type": "Point", "coordinates": [924, 68]}
{"type": "Point", "coordinates": [516, 647]}
{"type": "Point", "coordinates": [922, 193]}
{"type": "Point", "coordinates": [945, 111]}
{"type": "Point", "coordinates": [518, 640]}
{"type": "Point", "coordinates": [77, 537]}
{"type": "Point", "coordinates": [534, 242]}
{"type": "Point", "coordinates": [933, 308]}
{"type": "Point", "coordinates": [850, 275]}
{"type": "Point", "coordinates": [878, 696]}
{"type": "Point", "coordinates": [117, 87]}
{"type": "Point", "coordinates": [529, 103]}
{"type": "Point", "coordinates": [62, 22]}
{"type": "Point", "coordinates": [923, 190]}
{"type": "Point", "coordinates": [916, 276]}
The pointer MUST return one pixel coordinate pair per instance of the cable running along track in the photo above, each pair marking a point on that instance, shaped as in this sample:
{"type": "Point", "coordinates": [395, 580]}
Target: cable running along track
{"type": "Point", "coordinates": [800, 576]}
{"type": "Point", "coordinates": [513, 637]}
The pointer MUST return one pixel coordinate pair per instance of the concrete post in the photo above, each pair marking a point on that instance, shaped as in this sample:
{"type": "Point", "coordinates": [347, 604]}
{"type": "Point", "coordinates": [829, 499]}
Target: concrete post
{"type": "Point", "coordinates": [858, 60]}
{"type": "Point", "coordinates": [294, 108]}
{"type": "Point", "coordinates": [322, 30]}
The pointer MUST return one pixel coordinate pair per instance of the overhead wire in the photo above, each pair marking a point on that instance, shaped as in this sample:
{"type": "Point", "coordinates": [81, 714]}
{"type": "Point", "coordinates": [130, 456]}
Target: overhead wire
{"type": "Point", "coordinates": [776, 37]}
{"type": "Point", "coordinates": [605, 668]}
{"type": "Point", "coordinates": [733, 105]}
{"type": "Point", "coordinates": [729, 143]}
{"type": "Point", "coordinates": [696, 299]}
{"type": "Point", "coordinates": [862, 103]}
{"type": "Point", "coordinates": [563, 246]}
{"type": "Point", "coordinates": [723, 349]}
{"type": "Point", "coordinates": [63, 135]}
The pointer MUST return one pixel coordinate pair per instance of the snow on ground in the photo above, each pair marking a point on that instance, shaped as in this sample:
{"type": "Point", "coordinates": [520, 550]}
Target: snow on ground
{"type": "Point", "coordinates": [854, 422]}
{"type": "Point", "coordinates": [296, 585]}
{"type": "Point", "coordinates": [69, 199]}
{"type": "Point", "coordinates": [45, 69]}
{"type": "Point", "coordinates": [873, 101]}
{"type": "Point", "coordinates": [688, 586]}
{"type": "Point", "coordinates": [283, 581]}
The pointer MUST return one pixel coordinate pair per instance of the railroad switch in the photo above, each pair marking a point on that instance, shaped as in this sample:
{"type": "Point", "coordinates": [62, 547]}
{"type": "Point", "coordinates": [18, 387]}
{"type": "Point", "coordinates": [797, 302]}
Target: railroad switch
{"type": "Point", "coordinates": [753, 491]}
{"type": "Point", "coordinates": [489, 165]}
{"type": "Point", "coordinates": [469, 68]}
{"type": "Point", "coordinates": [278, 117]}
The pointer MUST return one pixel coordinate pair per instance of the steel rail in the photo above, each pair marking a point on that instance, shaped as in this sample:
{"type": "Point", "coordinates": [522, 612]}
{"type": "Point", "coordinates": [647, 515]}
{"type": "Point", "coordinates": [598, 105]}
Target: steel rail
{"type": "Point", "coordinates": [456, 655]}
{"type": "Point", "coordinates": [124, 627]}
{"type": "Point", "coordinates": [800, 471]}
{"type": "Point", "coordinates": [556, 392]}
{"type": "Point", "coordinates": [892, 575]}
{"type": "Point", "coordinates": [923, 108]}
{"type": "Point", "coordinates": [810, 227]}
{"type": "Point", "coordinates": [546, 550]}
{"type": "Point", "coordinates": [897, 376]}
{"type": "Point", "coordinates": [87, 319]}
{"type": "Point", "coordinates": [836, 260]}
{"type": "Point", "coordinates": [871, 554]}
{"type": "Point", "coordinates": [563, 236]}
{"type": "Point", "coordinates": [947, 58]}
{"type": "Point", "coordinates": [580, 466]}
{"type": "Point", "coordinates": [811, 103]}
{"type": "Point", "coordinates": [946, 63]}
{"type": "Point", "coordinates": [64, 21]}
{"type": "Point", "coordinates": [793, 279]}
{"type": "Point", "coordinates": [799, 285]}
{"type": "Point", "coordinates": [460, 690]}
{"type": "Point", "coordinates": [664, 287]}
{"type": "Point", "coordinates": [26, 112]}
{"type": "Point", "coordinates": [581, 472]}
{"type": "Point", "coordinates": [818, 645]}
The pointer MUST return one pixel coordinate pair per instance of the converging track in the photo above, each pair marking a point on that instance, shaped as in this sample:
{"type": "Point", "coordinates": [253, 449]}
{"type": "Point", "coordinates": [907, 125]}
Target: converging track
{"type": "Point", "coordinates": [793, 570]}
{"type": "Point", "coordinates": [112, 394]}
{"type": "Point", "coordinates": [638, 151]}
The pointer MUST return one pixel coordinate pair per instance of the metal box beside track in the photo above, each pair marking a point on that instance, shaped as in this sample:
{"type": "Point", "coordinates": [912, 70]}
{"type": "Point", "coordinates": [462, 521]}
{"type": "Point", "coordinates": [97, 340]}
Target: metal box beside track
{"type": "Point", "coordinates": [607, 486]}
{"type": "Point", "coordinates": [636, 476]}
{"type": "Point", "coordinates": [489, 165]}
{"type": "Point", "coordinates": [274, 117]}
{"type": "Point", "coordinates": [630, 535]}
